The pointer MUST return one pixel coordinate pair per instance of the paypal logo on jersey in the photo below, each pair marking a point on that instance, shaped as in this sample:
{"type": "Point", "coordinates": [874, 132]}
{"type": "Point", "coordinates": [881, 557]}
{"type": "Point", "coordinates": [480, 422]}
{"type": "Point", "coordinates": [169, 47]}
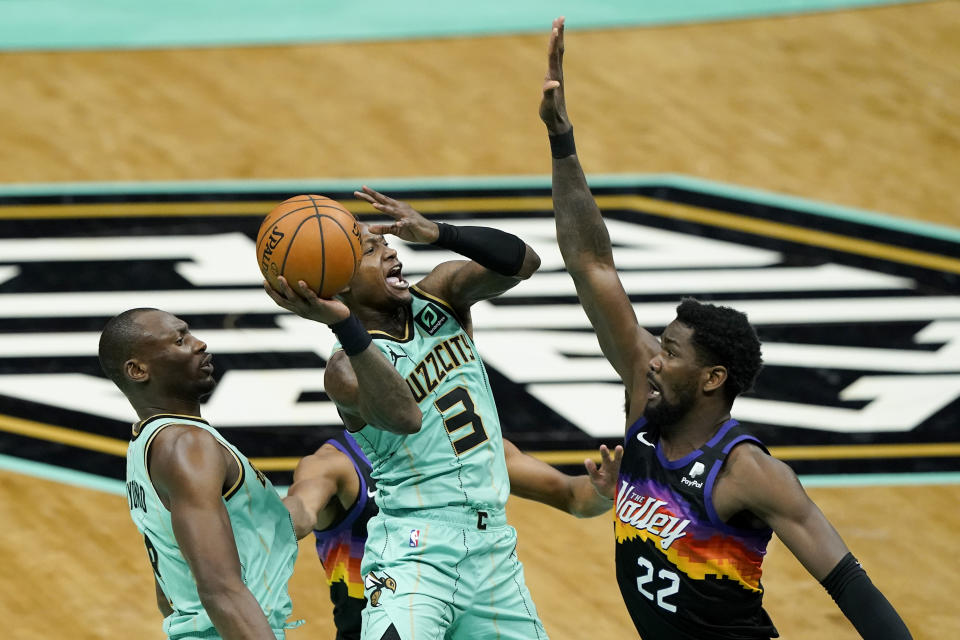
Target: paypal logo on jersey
{"type": "Point", "coordinates": [696, 470]}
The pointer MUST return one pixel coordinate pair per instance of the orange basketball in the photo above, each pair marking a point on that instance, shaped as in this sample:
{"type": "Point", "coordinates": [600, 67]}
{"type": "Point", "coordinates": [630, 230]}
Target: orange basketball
{"type": "Point", "coordinates": [309, 238]}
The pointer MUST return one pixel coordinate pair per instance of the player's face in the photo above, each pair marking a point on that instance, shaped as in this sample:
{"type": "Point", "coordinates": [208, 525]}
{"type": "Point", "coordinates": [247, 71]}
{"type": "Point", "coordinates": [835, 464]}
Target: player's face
{"type": "Point", "coordinates": [177, 361]}
{"type": "Point", "coordinates": [379, 281]}
{"type": "Point", "coordinates": [674, 377]}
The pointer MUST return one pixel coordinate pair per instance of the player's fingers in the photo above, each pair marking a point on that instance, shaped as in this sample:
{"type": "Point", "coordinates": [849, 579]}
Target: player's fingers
{"type": "Point", "coordinates": [381, 229]}
{"type": "Point", "coordinates": [274, 295]}
{"type": "Point", "coordinates": [379, 197]}
{"type": "Point", "coordinates": [360, 195]}
{"type": "Point", "coordinates": [285, 289]}
{"type": "Point", "coordinates": [618, 454]}
{"type": "Point", "coordinates": [605, 455]}
{"type": "Point", "coordinates": [591, 467]}
{"type": "Point", "coordinates": [307, 293]}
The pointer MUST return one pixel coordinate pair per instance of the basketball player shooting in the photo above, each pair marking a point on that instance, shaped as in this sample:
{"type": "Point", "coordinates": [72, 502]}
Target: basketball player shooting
{"type": "Point", "coordinates": [698, 497]}
{"type": "Point", "coordinates": [419, 404]}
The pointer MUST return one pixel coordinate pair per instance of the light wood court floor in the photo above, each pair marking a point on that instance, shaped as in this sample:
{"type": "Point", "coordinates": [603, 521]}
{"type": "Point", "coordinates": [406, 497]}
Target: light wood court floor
{"type": "Point", "coordinates": [853, 108]}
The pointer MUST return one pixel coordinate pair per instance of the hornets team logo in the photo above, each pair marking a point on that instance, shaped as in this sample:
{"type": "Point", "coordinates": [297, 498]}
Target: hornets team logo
{"type": "Point", "coordinates": [378, 584]}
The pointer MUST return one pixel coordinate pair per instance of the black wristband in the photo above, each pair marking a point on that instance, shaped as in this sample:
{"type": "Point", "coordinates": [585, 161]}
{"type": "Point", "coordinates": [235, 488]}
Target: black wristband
{"type": "Point", "coordinates": [351, 334]}
{"type": "Point", "coordinates": [561, 145]}
{"type": "Point", "coordinates": [496, 250]}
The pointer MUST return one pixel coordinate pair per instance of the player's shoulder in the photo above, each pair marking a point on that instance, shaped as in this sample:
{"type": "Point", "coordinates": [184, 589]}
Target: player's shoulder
{"type": "Point", "coordinates": [182, 434]}
{"type": "Point", "coordinates": [755, 474]}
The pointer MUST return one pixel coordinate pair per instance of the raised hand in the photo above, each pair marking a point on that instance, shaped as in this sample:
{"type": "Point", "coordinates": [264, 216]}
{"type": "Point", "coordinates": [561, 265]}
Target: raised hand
{"type": "Point", "coordinates": [604, 477]}
{"type": "Point", "coordinates": [408, 223]}
{"type": "Point", "coordinates": [553, 106]}
{"type": "Point", "coordinates": [306, 304]}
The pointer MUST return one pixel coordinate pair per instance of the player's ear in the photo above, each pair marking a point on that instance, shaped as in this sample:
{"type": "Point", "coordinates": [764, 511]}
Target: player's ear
{"type": "Point", "coordinates": [713, 378]}
{"type": "Point", "coordinates": [136, 371]}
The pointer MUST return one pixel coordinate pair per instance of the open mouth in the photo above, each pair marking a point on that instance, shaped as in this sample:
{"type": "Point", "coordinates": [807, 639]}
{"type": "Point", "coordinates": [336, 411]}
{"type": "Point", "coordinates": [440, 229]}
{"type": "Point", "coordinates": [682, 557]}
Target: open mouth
{"type": "Point", "coordinates": [207, 364]}
{"type": "Point", "coordinates": [395, 278]}
{"type": "Point", "coordinates": [654, 389]}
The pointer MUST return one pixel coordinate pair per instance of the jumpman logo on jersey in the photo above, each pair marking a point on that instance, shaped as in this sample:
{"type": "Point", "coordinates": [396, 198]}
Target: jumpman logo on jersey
{"type": "Point", "coordinates": [394, 356]}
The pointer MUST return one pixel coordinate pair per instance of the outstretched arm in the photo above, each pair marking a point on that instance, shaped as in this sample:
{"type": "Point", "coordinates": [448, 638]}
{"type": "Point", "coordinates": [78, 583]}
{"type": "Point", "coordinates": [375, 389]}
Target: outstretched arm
{"type": "Point", "coordinates": [585, 243]}
{"type": "Point", "coordinates": [767, 488]}
{"type": "Point", "coordinates": [364, 386]}
{"type": "Point", "coordinates": [325, 484]}
{"type": "Point", "coordinates": [189, 468]}
{"type": "Point", "coordinates": [498, 260]}
{"type": "Point", "coordinates": [583, 496]}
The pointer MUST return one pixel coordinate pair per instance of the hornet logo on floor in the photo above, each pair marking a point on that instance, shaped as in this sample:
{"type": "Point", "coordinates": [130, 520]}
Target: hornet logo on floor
{"type": "Point", "coordinates": [854, 344]}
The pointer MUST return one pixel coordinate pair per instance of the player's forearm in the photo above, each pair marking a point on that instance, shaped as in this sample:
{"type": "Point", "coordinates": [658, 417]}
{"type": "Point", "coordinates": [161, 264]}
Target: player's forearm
{"type": "Point", "coordinates": [581, 232]}
{"type": "Point", "coordinates": [303, 519]}
{"type": "Point", "coordinates": [862, 603]}
{"type": "Point", "coordinates": [236, 614]}
{"type": "Point", "coordinates": [585, 502]}
{"type": "Point", "coordinates": [383, 397]}
{"type": "Point", "coordinates": [497, 250]}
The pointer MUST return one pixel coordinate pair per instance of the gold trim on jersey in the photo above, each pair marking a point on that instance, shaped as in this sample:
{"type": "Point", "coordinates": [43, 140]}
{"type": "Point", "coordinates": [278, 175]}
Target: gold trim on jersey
{"type": "Point", "coordinates": [446, 305]}
{"type": "Point", "coordinates": [146, 448]}
{"type": "Point", "coordinates": [138, 426]}
{"type": "Point", "coordinates": [229, 493]}
{"type": "Point", "coordinates": [407, 331]}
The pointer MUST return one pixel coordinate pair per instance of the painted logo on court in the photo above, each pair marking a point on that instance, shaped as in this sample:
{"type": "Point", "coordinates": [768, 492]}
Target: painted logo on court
{"type": "Point", "coordinates": [854, 344]}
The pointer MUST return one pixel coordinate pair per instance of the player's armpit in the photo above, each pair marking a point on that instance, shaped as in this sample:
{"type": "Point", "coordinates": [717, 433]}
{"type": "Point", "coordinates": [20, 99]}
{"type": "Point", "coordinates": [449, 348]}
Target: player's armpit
{"type": "Point", "coordinates": [767, 488]}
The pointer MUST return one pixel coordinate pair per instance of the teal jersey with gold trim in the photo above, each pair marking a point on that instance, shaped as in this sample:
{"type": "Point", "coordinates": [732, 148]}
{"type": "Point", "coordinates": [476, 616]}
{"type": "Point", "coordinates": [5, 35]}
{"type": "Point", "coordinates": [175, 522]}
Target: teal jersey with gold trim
{"type": "Point", "coordinates": [456, 459]}
{"type": "Point", "coordinates": [262, 531]}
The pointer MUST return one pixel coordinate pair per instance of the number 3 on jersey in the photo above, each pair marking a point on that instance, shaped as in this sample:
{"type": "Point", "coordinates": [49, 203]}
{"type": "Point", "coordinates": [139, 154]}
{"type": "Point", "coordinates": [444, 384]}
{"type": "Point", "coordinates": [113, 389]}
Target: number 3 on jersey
{"type": "Point", "coordinates": [461, 419]}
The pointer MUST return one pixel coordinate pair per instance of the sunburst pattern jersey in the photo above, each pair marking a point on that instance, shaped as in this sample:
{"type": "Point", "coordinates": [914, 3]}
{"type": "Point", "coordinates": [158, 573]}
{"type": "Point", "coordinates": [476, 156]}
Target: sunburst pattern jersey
{"type": "Point", "coordinates": [683, 573]}
{"type": "Point", "coordinates": [340, 546]}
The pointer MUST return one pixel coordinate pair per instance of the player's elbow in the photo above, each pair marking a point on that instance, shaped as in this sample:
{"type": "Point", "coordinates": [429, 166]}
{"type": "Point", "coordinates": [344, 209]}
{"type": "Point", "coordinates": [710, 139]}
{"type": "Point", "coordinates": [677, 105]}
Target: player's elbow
{"type": "Point", "coordinates": [531, 262]}
{"type": "Point", "coordinates": [408, 422]}
{"type": "Point", "coordinates": [219, 597]}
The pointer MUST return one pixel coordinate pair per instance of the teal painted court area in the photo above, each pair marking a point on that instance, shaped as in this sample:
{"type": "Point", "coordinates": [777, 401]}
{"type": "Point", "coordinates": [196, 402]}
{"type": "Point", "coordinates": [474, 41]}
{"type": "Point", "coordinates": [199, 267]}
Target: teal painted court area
{"type": "Point", "coordinates": [108, 24]}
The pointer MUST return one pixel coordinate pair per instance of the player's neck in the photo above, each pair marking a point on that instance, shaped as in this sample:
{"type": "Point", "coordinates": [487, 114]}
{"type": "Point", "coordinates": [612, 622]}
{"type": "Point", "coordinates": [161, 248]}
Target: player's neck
{"type": "Point", "coordinates": [391, 321]}
{"type": "Point", "coordinates": [169, 406]}
{"type": "Point", "coordinates": [691, 432]}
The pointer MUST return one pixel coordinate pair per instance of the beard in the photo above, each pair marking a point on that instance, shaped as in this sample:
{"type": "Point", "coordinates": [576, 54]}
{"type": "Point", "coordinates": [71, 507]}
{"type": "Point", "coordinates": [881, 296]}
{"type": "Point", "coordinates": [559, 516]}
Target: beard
{"type": "Point", "coordinates": [665, 413]}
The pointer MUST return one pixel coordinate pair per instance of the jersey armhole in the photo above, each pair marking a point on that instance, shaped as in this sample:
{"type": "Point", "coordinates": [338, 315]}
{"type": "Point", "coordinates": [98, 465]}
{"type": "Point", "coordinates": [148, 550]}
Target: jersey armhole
{"type": "Point", "coordinates": [711, 480]}
{"type": "Point", "coordinates": [354, 511]}
{"type": "Point", "coordinates": [226, 495]}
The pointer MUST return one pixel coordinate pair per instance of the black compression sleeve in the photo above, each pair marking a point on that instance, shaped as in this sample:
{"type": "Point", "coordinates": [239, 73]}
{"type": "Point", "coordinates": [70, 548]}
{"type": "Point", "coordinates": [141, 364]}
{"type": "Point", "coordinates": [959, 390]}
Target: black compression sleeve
{"type": "Point", "coordinates": [863, 604]}
{"type": "Point", "coordinates": [494, 249]}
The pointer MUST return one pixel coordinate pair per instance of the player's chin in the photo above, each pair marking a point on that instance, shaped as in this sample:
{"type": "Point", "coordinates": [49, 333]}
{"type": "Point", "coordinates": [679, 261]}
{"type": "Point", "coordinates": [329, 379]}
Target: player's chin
{"type": "Point", "coordinates": [205, 387]}
{"type": "Point", "coordinates": [401, 294]}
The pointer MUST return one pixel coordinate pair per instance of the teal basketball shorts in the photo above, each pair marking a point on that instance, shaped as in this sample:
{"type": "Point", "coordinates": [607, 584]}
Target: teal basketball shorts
{"type": "Point", "coordinates": [445, 574]}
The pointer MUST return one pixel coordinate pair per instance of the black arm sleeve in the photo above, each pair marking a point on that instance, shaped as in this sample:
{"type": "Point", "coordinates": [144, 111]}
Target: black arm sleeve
{"type": "Point", "coordinates": [496, 250]}
{"type": "Point", "coordinates": [863, 604]}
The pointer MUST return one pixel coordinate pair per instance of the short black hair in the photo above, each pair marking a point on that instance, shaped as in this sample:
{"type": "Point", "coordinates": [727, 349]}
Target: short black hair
{"type": "Point", "coordinates": [117, 341]}
{"type": "Point", "coordinates": [723, 336]}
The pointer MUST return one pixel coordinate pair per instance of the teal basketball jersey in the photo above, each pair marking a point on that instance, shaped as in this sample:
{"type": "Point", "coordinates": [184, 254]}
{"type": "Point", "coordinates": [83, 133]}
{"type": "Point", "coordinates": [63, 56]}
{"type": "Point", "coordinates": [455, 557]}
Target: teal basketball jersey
{"type": "Point", "coordinates": [262, 530]}
{"type": "Point", "coordinates": [456, 459]}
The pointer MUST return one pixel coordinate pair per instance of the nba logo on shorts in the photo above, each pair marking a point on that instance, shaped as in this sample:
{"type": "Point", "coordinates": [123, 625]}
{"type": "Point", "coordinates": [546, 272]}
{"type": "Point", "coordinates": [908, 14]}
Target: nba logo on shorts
{"type": "Point", "coordinates": [415, 537]}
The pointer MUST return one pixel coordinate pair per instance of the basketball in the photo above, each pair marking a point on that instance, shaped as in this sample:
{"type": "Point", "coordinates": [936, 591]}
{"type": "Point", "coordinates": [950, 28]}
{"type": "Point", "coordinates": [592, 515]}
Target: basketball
{"type": "Point", "coordinates": [310, 238]}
